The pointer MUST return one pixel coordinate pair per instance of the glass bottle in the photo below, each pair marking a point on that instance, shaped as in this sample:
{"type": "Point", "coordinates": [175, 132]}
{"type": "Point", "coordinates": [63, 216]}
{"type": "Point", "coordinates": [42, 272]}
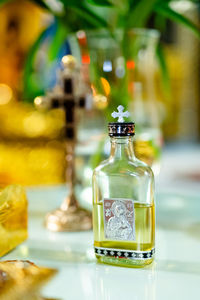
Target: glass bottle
{"type": "Point", "coordinates": [123, 203]}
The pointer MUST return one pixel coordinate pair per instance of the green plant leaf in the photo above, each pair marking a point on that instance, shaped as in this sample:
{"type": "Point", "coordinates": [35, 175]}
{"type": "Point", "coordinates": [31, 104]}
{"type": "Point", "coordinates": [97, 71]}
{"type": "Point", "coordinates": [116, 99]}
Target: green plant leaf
{"type": "Point", "coordinates": [58, 39]}
{"type": "Point", "coordinates": [100, 2]}
{"type": "Point", "coordinates": [83, 12]}
{"type": "Point", "coordinates": [86, 13]}
{"type": "Point", "coordinates": [167, 12]}
{"type": "Point", "coordinates": [41, 4]}
{"type": "Point", "coordinates": [28, 67]}
{"type": "Point", "coordinates": [4, 1]}
{"type": "Point", "coordinates": [164, 70]}
{"type": "Point", "coordinates": [52, 50]}
{"type": "Point", "coordinates": [133, 3]}
{"type": "Point", "coordinates": [139, 15]}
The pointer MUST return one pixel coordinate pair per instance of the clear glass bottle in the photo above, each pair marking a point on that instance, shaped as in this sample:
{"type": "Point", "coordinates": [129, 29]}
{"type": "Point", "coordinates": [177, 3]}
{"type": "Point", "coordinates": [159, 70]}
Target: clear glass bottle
{"type": "Point", "coordinates": [123, 204]}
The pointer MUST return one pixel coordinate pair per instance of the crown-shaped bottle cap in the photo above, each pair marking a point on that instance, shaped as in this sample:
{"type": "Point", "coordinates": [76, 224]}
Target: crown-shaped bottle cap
{"type": "Point", "coordinates": [121, 128]}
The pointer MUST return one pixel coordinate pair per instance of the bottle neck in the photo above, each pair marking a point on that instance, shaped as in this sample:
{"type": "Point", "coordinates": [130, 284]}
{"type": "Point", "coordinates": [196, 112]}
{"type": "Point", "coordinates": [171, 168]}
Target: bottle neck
{"type": "Point", "coordinates": [122, 148]}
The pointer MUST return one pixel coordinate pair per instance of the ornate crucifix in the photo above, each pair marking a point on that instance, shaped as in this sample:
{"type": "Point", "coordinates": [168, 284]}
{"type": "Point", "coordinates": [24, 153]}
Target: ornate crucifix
{"type": "Point", "coordinates": [70, 97]}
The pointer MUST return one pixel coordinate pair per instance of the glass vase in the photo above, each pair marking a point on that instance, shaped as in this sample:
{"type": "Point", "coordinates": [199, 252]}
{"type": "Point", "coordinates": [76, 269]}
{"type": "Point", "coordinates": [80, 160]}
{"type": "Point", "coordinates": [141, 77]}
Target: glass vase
{"type": "Point", "coordinates": [120, 68]}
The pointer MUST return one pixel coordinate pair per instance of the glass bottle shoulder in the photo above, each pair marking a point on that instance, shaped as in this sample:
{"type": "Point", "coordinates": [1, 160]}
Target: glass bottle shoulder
{"type": "Point", "coordinates": [132, 167]}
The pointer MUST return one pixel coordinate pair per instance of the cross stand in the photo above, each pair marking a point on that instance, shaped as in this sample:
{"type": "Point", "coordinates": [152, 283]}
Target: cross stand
{"type": "Point", "coordinates": [69, 96]}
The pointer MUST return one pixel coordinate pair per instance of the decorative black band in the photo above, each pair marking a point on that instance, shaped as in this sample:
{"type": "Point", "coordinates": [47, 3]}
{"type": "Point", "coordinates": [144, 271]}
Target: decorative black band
{"type": "Point", "coordinates": [120, 253]}
{"type": "Point", "coordinates": [121, 129]}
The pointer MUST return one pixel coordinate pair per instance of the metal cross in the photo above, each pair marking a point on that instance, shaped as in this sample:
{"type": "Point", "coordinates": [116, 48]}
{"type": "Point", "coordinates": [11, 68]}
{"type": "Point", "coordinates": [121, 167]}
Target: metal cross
{"type": "Point", "coordinates": [69, 95]}
{"type": "Point", "coordinates": [120, 114]}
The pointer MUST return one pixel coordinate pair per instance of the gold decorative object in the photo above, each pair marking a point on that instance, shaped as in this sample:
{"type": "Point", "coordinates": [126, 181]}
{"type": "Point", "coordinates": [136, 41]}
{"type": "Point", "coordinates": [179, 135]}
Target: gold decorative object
{"type": "Point", "coordinates": [31, 143]}
{"type": "Point", "coordinates": [22, 280]}
{"type": "Point", "coordinates": [18, 33]}
{"type": "Point", "coordinates": [69, 62]}
{"type": "Point", "coordinates": [13, 218]}
{"type": "Point", "coordinates": [70, 96]}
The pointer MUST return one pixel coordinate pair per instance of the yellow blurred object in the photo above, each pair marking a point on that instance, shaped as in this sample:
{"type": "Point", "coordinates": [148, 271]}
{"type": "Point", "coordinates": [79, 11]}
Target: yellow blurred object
{"type": "Point", "coordinates": [32, 150]}
{"type": "Point", "coordinates": [69, 61]}
{"type": "Point", "coordinates": [182, 59]}
{"type": "Point", "coordinates": [13, 218]}
{"type": "Point", "coordinates": [106, 86]}
{"type": "Point", "coordinates": [6, 93]}
{"type": "Point", "coordinates": [145, 151]}
{"type": "Point", "coordinates": [28, 153]}
{"type": "Point", "coordinates": [18, 31]}
{"type": "Point", "coordinates": [38, 101]}
{"type": "Point", "coordinates": [101, 101]}
{"type": "Point", "coordinates": [22, 121]}
{"type": "Point", "coordinates": [22, 280]}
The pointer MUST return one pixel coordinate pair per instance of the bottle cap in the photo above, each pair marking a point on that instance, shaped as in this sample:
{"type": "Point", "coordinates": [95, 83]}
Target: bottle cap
{"type": "Point", "coordinates": [121, 128]}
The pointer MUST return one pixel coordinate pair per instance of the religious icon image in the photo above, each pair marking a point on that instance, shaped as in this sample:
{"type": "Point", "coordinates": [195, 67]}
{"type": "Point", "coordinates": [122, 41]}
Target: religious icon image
{"type": "Point", "coordinates": [119, 219]}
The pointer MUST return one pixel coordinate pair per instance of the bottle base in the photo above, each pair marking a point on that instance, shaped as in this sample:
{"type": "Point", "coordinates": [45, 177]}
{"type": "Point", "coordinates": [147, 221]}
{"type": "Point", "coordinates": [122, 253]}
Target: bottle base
{"type": "Point", "coordinates": [124, 262]}
{"type": "Point", "coordinates": [124, 257]}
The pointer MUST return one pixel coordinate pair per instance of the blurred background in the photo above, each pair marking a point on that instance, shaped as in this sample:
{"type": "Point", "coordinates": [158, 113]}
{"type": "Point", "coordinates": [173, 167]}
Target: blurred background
{"type": "Point", "coordinates": [142, 54]}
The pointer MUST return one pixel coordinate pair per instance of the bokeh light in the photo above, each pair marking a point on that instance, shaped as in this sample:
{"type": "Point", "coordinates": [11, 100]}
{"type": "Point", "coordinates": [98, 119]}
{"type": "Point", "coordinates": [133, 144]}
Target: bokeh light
{"type": "Point", "coordinates": [6, 94]}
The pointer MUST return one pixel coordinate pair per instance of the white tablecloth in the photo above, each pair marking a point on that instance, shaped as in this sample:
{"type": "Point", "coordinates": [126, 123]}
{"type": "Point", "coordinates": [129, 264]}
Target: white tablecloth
{"type": "Point", "coordinates": [176, 271]}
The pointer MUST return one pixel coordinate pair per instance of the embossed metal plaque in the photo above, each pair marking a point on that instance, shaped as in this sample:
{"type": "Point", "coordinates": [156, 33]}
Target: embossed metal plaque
{"type": "Point", "coordinates": [119, 220]}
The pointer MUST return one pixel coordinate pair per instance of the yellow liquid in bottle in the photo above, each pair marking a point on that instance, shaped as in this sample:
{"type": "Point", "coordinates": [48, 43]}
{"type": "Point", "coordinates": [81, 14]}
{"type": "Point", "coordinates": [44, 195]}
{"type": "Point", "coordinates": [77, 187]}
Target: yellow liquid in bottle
{"type": "Point", "coordinates": [144, 236]}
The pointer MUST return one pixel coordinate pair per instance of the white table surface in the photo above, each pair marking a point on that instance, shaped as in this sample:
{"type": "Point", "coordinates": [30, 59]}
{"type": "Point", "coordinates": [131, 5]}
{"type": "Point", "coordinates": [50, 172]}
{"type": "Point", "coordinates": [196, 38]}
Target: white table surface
{"type": "Point", "coordinates": [175, 274]}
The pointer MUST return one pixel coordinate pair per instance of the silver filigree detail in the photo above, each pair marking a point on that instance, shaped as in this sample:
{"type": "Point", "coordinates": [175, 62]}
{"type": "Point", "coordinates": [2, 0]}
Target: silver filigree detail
{"type": "Point", "coordinates": [108, 212]}
{"type": "Point", "coordinates": [118, 226]}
